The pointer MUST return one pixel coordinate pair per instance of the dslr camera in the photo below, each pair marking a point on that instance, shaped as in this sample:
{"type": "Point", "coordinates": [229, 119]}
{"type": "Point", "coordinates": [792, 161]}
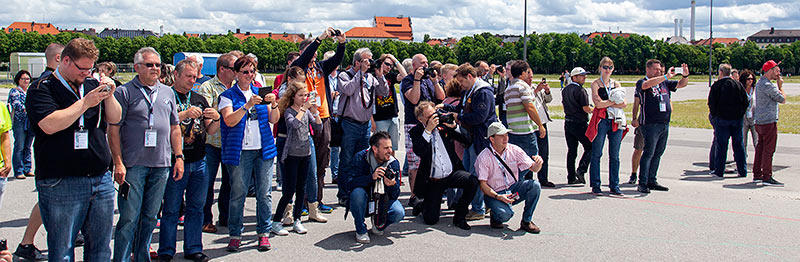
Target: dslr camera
{"type": "Point", "coordinates": [428, 72]}
{"type": "Point", "coordinates": [336, 32]}
{"type": "Point", "coordinates": [388, 173]}
{"type": "Point", "coordinates": [445, 117]}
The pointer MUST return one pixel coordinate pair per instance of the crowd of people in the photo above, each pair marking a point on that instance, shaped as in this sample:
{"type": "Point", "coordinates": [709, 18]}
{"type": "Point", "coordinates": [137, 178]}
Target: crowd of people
{"type": "Point", "coordinates": [163, 137]}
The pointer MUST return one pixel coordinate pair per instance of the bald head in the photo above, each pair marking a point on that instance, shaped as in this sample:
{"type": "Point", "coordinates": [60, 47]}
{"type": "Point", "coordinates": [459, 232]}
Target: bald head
{"type": "Point", "coordinates": [419, 60]}
{"type": "Point", "coordinates": [53, 54]}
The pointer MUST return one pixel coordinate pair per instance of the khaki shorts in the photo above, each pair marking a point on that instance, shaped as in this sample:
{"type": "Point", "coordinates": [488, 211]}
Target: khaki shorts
{"type": "Point", "coordinates": [638, 139]}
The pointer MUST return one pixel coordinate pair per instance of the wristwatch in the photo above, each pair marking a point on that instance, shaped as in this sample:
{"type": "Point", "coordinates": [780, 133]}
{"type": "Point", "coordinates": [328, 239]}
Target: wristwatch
{"type": "Point", "coordinates": [179, 157]}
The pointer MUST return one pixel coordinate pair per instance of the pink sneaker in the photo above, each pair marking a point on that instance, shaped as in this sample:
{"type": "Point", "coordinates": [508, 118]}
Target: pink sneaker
{"type": "Point", "coordinates": [233, 245]}
{"type": "Point", "coordinates": [263, 244]}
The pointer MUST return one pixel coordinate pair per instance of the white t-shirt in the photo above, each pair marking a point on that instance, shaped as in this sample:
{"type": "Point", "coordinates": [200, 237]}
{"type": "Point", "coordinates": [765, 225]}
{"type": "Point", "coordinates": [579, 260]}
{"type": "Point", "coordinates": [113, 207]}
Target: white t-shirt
{"type": "Point", "coordinates": [252, 133]}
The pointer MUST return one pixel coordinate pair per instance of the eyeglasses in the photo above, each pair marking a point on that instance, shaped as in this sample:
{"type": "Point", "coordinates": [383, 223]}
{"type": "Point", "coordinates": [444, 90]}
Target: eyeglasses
{"type": "Point", "coordinates": [151, 65]}
{"type": "Point", "coordinates": [388, 64]}
{"type": "Point", "coordinates": [247, 72]}
{"type": "Point", "coordinates": [607, 67]}
{"type": "Point", "coordinates": [81, 69]}
{"type": "Point", "coordinates": [25, 79]}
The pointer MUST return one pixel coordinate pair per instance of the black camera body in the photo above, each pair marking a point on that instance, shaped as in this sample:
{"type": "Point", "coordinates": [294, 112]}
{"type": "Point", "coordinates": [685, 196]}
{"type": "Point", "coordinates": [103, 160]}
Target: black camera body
{"type": "Point", "coordinates": [388, 173]}
{"type": "Point", "coordinates": [336, 32]}
{"type": "Point", "coordinates": [499, 70]}
{"type": "Point", "coordinates": [445, 117]}
{"type": "Point", "coordinates": [429, 72]}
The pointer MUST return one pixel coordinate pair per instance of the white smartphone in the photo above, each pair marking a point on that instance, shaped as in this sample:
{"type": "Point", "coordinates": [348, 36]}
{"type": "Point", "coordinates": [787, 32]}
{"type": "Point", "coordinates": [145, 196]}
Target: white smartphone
{"type": "Point", "coordinates": [678, 70]}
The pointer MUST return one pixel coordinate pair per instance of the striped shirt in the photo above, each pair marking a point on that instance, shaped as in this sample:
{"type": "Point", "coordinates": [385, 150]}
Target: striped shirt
{"type": "Point", "coordinates": [516, 96]}
{"type": "Point", "coordinates": [490, 169]}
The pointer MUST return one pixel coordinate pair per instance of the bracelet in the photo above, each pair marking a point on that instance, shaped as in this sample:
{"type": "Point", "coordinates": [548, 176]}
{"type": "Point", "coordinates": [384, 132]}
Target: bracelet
{"type": "Point", "coordinates": [417, 80]}
{"type": "Point", "coordinates": [274, 107]}
{"type": "Point", "coordinates": [665, 77]}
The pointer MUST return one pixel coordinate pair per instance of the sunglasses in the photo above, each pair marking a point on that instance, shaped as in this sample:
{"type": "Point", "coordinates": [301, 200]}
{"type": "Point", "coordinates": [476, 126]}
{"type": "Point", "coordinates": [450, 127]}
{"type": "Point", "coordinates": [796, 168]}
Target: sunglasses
{"type": "Point", "coordinates": [750, 78]}
{"type": "Point", "coordinates": [151, 65]}
{"type": "Point", "coordinates": [388, 64]}
{"type": "Point", "coordinates": [607, 67]}
{"type": "Point", "coordinates": [247, 72]}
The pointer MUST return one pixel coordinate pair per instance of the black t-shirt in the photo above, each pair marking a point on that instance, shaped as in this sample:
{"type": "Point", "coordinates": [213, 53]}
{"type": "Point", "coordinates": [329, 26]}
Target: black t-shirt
{"type": "Point", "coordinates": [427, 93]}
{"type": "Point", "coordinates": [56, 156]}
{"type": "Point", "coordinates": [574, 98]}
{"type": "Point", "coordinates": [652, 99]}
{"type": "Point", "coordinates": [386, 106]}
{"type": "Point", "coordinates": [193, 130]}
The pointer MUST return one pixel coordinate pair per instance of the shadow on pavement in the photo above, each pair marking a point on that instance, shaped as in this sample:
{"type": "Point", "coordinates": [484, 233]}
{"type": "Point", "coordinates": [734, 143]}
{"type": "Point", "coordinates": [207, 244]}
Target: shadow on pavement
{"type": "Point", "coordinates": [746, 185]}
{"type": "Point", "coordinates": [22, 222]}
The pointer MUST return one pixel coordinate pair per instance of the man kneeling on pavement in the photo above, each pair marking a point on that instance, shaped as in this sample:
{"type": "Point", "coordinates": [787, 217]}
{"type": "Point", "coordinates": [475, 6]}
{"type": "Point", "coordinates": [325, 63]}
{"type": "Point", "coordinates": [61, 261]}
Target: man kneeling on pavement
{"type": "Point", "coordinates": [373, 181]}
{"type": "Point", "coordinates": [433, 141]}
{"type": "Point", "coordinates": [498, 168]}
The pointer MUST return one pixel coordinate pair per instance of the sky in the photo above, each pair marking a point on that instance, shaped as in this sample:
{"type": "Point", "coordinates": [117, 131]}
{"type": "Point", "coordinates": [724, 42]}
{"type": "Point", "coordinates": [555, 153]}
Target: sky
{"type": "Point", "coordinates": [438, 18]}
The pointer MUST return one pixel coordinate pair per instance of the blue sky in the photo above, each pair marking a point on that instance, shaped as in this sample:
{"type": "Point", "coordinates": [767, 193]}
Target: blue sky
{"type": "Point", "coordinates": [443, 18]}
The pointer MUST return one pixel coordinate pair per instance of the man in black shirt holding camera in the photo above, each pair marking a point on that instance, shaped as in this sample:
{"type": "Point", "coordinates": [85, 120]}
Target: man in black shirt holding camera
{"type": "Point", "coordinates": [440, 167]}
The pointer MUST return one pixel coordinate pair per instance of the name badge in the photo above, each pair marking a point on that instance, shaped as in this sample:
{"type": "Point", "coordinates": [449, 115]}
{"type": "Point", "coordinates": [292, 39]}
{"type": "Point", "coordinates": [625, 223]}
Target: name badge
{"type": "Point", "coordinates": [749, 114]}
{"type": "Point", "coordinates": [81, 139]}
{"type": "Point", "coordinates": [371, 209]}
{"type": "Point", "coordinates": [150, 136]}
{"type": "Point", "coordinates": [663, 107]}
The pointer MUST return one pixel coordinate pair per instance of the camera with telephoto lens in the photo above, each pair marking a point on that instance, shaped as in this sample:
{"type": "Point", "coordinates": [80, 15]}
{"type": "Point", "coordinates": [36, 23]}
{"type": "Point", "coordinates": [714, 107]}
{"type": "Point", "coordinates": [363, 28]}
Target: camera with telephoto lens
{"type": "Point", "coordinates": [445, 117]}
{"type": "Point", "coordinates": [373, 65]}
{"type": "Point", "coordinates": [499, 70]}
{"type": "Point", "coordinates": [428, 72]}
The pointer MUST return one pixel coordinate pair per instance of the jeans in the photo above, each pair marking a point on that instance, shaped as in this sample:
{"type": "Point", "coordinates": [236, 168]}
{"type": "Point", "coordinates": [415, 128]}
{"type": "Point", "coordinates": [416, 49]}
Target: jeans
{"type": "Point", "coordinates": [765, 149]}
{"type": "Point", "coordinates": [194, 184]}
{"type": "Point", "coordinates": [355, 139]}
{"type": "Point", "coordinates": [335, 162]}
{"type": "Point", "coordinates": [544, 152]}
{"type": "Point", "coordinates": [358, 207]}
{"type": "Point", "coordinates": [213, 162]}
{"type": "Point", "coordinates": [575, 132]}
{"type": "Point", "coordinates": [294, 179]}
{"type": "Point", "coordinates": [311, 181]}
{"type": "Point", "coordinates": [73, 204]}
{"type": "Point", "coordinates": [614, 141]}
{"type": "Point", "coordinates": [528, 144]}
{"type": "Point", "coordinates": [21, 158]}
{"type": "Point", "coordinates": [249, 161]}
{"type": "Point", "coordinates": [529, 191]}
{"type": "Point", "coordinates": [3, 181]}
{"type": "Point", "coordinates": [390, 126]}
{"type": "Point", "coordinates": [655, 142]}
{"type": "Point", "coordinates": [730, 129]}
{"type": "Point", "coordinates": [469, 159]}
{"type": "Point", "coordinates": [137, 213]}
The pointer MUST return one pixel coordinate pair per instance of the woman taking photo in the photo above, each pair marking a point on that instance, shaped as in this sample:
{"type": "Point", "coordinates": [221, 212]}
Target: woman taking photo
{"type": "Point", "coordinates": [23, 133]}
{"type": "Point", "coordinates": [604, 124]}
{"type": "Point", "coordinates": [748, 80]}
{"type": "Point", "coordinates": [247, 147]}
{"type": "Point", "coordinates": [298, 111]}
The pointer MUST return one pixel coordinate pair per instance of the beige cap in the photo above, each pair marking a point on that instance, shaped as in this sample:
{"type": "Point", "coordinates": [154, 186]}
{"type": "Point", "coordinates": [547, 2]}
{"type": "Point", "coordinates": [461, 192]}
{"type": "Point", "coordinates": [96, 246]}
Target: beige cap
{"type": "Point", "coordinates": [496, 128]}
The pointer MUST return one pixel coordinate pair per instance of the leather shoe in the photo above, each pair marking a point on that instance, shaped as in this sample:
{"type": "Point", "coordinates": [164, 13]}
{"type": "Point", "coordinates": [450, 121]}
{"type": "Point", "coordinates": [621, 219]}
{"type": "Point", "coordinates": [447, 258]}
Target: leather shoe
{"type": "Point", "coordinates": [657, 187]}
{"type": "Point", "coordinates": [643, 189]}
{"type": "Point", "coordinates": [581, 179]}
{"type": "Point", "coordinates": [462, 224]}
{"type": "Point", "coordinates": [210, 228]}
{"type": "Point", "coordinates": [164, 258]}
{"type": "Point", "coordinates": [496, 224]}
{"type": "Point", "coordinates": [548, 184]}
{"type": "Point", "coordinates": [197, 257]}
{"type": "Point", "coordinates": [530, 227]}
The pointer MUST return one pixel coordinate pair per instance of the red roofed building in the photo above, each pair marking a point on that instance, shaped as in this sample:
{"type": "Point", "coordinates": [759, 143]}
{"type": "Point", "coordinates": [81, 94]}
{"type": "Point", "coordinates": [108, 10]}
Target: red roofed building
{"type": "Point", "coordinates": [369, 34]}
{"type": "Point", "coordinates": [589, 38]}
{"type": "Point", "coordinates": [449, 42]}
{"type": "Point", "coordinates": [398, 26]}
{"type": "Point", "coordinates": [724, 41]}
{"type": "Point", "coordinates": [294, 38]}
{"type": "Point", "coordinates": [32, 27]}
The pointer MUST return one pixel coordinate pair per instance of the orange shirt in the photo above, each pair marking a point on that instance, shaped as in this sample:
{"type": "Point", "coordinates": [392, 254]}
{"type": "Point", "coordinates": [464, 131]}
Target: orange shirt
{"type": "Point", "coordinates": [315, 80]}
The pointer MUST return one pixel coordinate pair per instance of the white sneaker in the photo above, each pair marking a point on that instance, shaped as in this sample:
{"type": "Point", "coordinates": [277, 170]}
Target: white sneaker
{"type": "Point", "coordinates": [299, 228]}
{"type": "Point", "coordinates": [362, 238]}
{"type": "Point", "coordinates": [277, 229]}
{"type": "Point", "coordinates": [376, 231]}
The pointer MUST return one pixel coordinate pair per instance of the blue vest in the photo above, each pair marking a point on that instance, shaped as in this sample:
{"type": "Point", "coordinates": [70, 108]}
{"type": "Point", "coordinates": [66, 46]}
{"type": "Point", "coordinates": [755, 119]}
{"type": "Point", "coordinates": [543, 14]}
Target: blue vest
{"type": "Point", "coordinates": [232, 137]}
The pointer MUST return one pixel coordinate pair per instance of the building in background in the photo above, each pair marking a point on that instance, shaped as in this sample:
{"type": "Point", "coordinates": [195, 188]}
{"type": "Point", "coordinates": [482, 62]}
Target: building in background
{"type": "Point", "coordinates": [448, 42]}
{"type": "Point", "coordinates": [398, 26]}
{"type": "Point", "coordinates": [369, 34]}
{"type": "Point", "coordinates": [723, 41]}
{"type": "Point", "coordinates": [771, 36]}
{"type": "Point", "coordinates": [294, 38]}
{"type": "Point", "coordinates": [85, 31]}
{"type": "Point", "coordinates": [589, 38]}
{"type": "Point", "coordinates": [120, 33]}
{"type": "Point", "coordinates": [26, 27]}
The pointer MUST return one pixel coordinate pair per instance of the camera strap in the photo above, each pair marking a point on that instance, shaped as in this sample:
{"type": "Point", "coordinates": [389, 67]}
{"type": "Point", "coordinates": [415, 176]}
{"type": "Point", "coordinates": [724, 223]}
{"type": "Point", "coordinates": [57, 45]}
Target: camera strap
{"type": "Point", "coordinates": [508, 169]}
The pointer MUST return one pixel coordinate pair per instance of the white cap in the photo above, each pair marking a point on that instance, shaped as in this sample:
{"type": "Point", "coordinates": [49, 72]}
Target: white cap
{"type": "Point", "coordinates": [496, 128]}
{"type": "Point", "coordinates": [577, 71]}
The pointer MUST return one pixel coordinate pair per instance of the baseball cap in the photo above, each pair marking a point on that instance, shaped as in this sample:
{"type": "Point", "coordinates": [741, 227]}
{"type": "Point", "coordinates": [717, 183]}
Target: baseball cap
{"type": "Point", "coordinates": [769, 65]}
{"type": "Point", "coordinates": [497, 128]}
{"type": "Point", "coordinates": [577, 71]}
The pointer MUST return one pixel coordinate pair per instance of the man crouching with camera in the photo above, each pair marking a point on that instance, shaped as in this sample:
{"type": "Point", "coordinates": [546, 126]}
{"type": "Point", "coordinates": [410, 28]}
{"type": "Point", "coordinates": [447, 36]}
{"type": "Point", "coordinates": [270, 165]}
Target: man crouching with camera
{"type": "Point", "coordinates": [374, 185]}
{"type": "Point", "coordinates": [440, 168]}
{"type": "Point", "coordinates": [498, 167]}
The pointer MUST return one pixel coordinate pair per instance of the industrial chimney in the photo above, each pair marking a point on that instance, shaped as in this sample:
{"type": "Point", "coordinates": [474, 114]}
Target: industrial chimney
{"type": "Point", "coordinates": [676, 27]}
{"type": "Point", "coordinates": [692, 25]}
{"type": "Point", "coordinates": [681, 28]}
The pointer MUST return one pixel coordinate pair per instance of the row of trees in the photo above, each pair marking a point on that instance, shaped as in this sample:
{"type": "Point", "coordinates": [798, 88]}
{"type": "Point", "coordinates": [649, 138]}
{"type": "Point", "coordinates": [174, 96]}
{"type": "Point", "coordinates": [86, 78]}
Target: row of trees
{"type": "Point", "coordinates": [547, 53]}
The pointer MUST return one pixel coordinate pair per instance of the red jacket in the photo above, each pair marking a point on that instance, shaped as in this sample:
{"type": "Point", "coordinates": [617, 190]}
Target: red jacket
{"type": "Point", "coordinates": [597, 115]}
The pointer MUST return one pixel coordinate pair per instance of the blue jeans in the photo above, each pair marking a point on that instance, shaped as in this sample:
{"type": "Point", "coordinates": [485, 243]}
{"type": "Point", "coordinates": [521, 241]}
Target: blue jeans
{"type": "Point", "coordinates": [3, 181]}
{"type": "Point", "coordinates": [73, 204]}
{"type": "Point", "coordinates": [335, 162]}
{"type": "Point", "coordinates": [614, 141]}
{"type": "Point", "coordinates": [470, 156]}
{"type": "Point", "coordinates": [730, 129]}
{"type": "Point", "coordinates": [194, 183]}
{"type": "Point", "coordinates": [358, 207]}
{"type": "Point", "coordinates": [529, 191]}
{"type": "Point", "coordinates": [390, 126]}
{"type": "Point", "coordinates": [137, 213]}
{"type": "Point", "coordinates": [213, 162]}
{"type": "Point", "coordinates": [355, 139]}
{"type": "Point", "coordinates": [240, 177]}
{"type": "Point", "coordinates": [655, 142]}
{"type": "Point", "coordinates": [21, 158]}
{"type": "Point", "coordinates": [528, 144]}
{"type": "Point", "coordinates": [311, 180]}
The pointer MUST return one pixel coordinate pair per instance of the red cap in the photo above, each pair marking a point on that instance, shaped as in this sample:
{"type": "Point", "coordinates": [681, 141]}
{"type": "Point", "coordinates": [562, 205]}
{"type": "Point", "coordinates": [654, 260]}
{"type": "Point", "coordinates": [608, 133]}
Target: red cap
{"type": "Point", "coordinates": [769, 65]}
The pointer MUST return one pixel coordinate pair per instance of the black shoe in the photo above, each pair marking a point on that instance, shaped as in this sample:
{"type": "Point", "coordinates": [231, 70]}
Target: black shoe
{"type": "Point", "coordinates": [164, 258]}
{"type": "Point", "coordinates": [632, 180]}
{"type": "Point", "coordinates": [743, 175]}
{"type": "Point", "coordinates": [657, 187]}
{"type": "Point", "coordinates": [197, 257]}
{"type": "Point", "coordinates": [597, 192]}
{"type": "Point", "coordinates": [616, 192]}
{"type": "Point", "coordinates": [29, 252]}
{"type": "Point", "coordinates": [643, 189]}
{"type": "Point", "coordinates": [496, 224]}
{"type": "Point", "coordinates": [414, 201]}
{"type": "Point", "coordinates": [548, 184]}
{"type": "Point", "coordinates": [772, 182]}
{"type": "Point", "coordinates": [222, 223]}
{"type": "Point", "coordinates": [335, 181]}
{"type": "Point", "coordinates": [342, 202]}
{"type": "Point", "coordinates": [79, 240]}
{"type": "Point", "coordinates": [251, 194]}
{"type": "Point", "coordinates": [572, 180]}
{"type": "Point", "coordinates": [416, 210]}
{"type": "Point", "coordinates": [462, 224]}
{"type": "Point", "coordinates": [581, 179]}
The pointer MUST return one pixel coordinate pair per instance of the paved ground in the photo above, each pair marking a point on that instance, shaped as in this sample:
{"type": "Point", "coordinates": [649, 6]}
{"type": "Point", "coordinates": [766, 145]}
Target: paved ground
{"type": "Point", "coordinates": [702, 218]}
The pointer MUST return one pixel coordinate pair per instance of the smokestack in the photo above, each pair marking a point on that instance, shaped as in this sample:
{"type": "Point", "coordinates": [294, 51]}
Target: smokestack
{"type": "Point", "coordinates": [692, 25]}
{"type": "Point", "coordinates": [681, 28]}
{"type": "Point", "coordinates": [676, 27]}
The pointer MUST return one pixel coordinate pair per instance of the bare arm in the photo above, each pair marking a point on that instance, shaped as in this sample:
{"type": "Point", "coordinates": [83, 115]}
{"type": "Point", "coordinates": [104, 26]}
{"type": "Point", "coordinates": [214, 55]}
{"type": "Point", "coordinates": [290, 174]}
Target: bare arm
{"type": "Point", "coordinates": [62, 119]}
{"type": "Point", "coordinates": [599, 102]}
{"type": "Point", "coordinates": [177, 149]}
{"type": "Point", "coordinates": [5, 147]}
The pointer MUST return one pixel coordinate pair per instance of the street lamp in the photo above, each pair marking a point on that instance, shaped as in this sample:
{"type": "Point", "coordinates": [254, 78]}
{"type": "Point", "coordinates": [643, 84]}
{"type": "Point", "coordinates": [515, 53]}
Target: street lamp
{"type": "Point", "coordinates": [525, 33]}
{"type": "Point", "coordinates": [710, 41]}
{"type": "Point", "coordinates": [574, 56]}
